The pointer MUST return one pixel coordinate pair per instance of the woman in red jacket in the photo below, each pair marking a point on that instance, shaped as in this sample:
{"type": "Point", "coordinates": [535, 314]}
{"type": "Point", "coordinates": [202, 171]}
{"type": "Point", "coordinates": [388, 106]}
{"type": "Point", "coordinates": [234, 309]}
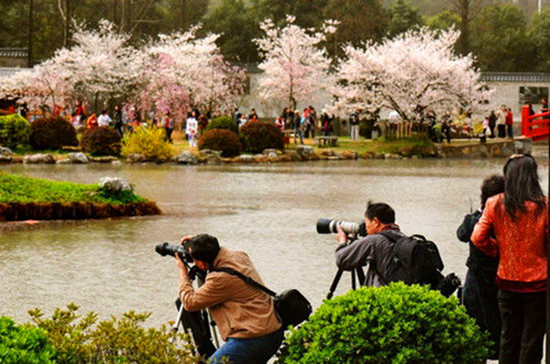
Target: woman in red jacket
{"type": "Point", "coordinates": [513, 227]}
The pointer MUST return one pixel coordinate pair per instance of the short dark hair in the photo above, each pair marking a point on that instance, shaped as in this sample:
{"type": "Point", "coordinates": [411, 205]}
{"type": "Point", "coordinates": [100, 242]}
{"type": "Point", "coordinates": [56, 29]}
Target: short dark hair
{"type": "Point", "coordinates": [382, 211]}
{"type": "Point", "coordinates": [491, 186]}
{"type": "Point", "coordinates": [204, 247]}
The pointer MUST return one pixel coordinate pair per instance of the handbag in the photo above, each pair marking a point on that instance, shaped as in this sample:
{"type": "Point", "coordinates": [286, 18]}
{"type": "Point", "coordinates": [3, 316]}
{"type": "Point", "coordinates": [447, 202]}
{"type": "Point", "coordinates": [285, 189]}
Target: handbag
{"type": "Point", "coordinates": [291, 306]}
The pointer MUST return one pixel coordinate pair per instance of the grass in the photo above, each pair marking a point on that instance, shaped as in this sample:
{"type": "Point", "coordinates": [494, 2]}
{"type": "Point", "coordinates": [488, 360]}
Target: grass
{"type": "Point", "coordinates": [26, 189]}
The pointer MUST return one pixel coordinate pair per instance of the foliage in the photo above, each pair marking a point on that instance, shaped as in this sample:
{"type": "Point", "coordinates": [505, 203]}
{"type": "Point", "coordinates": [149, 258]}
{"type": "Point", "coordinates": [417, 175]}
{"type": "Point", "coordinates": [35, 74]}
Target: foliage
{"type": "Point", "coordinates": [386, 75]}
{"type": "Point", "coordinates": [539, 34]}
{"type": "Point", "coordinates": [116, 340]}
{"type": "Point", "coordinates": [222, 140]}
{"type": "Point", "coordinates": [443, 21]}
{"type": "Point", "coordinates": [403, 17]}
{"type": "Point", "coordinates": [500, 41]}
{"type": "Point", "coordinates": [14, 130]}
{"type": "Point", "coordinates": [148, 141]}
{"type": "Point", "coordinates": [397, 323]}
{"type": "Point", "coordinates": [223, 122]}
{"type": "Point", "coordinates": [262, 135]}
{"type": "Point", "coordinates": [24, 344]}
{"type": "Point", "coordinates": [52, 133]}
{"type": "Point", "coordinates": [101, 140]}
{"type": "Point", "coordinates": [294, 64]}
{"type": "Point", "coordinates": [15, 188]}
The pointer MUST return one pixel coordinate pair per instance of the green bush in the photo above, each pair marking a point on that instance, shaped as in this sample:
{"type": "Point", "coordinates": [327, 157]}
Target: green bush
{"type": "Point", "coordinates": [52, 133]}
{"type": "Point", "coordinates": [221, 140]}
{"type": "Point", "coordinates": [14, 130]}
{"type": "Point", "coordinates": [81, 340]}
{"type": "Point", "coordinates": [262, 135]}
{"type": "Point", "coordinates": [397, 324]}
{"type": "Point", "coordinates": [148, 141]}
{"type": "Point", "coordinates": [23, 344]}
{"type": "Point", "coordinates": [101, 140]}
{"type": "Point", "coordinates": [223, 122]}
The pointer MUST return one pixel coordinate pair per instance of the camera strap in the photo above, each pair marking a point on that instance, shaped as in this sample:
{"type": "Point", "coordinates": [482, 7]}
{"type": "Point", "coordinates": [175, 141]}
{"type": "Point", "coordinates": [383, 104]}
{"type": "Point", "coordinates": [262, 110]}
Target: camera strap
{"type": "Point", "coordinates": [247, 279]}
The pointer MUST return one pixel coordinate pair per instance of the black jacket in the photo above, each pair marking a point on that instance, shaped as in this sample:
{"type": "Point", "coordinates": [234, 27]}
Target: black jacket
{"type": "Point", "coordinates": [477, 260]}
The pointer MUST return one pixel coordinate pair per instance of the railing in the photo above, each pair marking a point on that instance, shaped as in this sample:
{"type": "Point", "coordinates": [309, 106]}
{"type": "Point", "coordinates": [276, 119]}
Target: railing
{"type": "Point", "coordinates": [536, 126]}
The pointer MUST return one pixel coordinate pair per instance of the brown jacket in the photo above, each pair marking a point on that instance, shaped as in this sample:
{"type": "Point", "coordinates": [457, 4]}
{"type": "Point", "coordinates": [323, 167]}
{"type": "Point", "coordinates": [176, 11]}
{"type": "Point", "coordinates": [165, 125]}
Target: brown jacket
{"type": "Point", "coordinates": [239, 310]}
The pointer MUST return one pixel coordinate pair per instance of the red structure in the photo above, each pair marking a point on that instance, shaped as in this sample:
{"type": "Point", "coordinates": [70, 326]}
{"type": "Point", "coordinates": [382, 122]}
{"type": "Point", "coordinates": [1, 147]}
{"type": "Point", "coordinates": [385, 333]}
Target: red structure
{"type": "Point", "coordinates": [537, 126]}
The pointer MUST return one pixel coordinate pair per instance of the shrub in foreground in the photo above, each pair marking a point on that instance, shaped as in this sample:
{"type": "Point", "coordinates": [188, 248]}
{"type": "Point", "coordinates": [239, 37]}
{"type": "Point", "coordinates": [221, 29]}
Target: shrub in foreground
{"type": "Point", "coordinates": [81, 340]}
{"type": "Point", "coordinates": [221, 140]}
{"type": "Point", "coordinates": [223, 122]}
{"type": "Point", "coordinates": [262, 135]}
{"type": "Point", "coordinates": [148, 141]}
{"type": "Point", "coordinates": [101, 140]}
{"type": "Point", "coordinates": [52, 133]}
{"type": "Point", "coordinates": [14, 131]}
{"type": "Point", "coordinates": [23, 344]}
{"type": "Point", "coordinates": [397, 324]}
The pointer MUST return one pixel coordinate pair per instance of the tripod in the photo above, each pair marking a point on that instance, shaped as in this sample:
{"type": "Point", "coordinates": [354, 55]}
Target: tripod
{"type": "Point", "coordinates": [198, 323]}
{"type": "Point", "coordinates": [357, 274]}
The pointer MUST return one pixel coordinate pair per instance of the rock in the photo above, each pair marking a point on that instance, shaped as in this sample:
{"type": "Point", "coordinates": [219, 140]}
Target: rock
{"type": "Point", "coordinates": [116, 163]}
{"type": "Point", "coordinates": [106, 159]}
{"type": "Point", "coordinates": [38, 158]}
{"type": "Point", "coordinates": [305, 151]}
{"type": "Point", "coordinates": [78, 157]}
{"type": "Point", "coordinates": [337, 156]}
{"type": "Point", "coordinates": [213, 159]}
{"type": "Point", "coordinates": [64, 161]}
{"type": "Point", "coordinates": [135, 158]}
{"type": "Point", "coordinates": [260, 158]}
{"type": "Point", "coordinates": [272, 151]}
{"type": "Point", "coordinates": [349, 154]}
{"type": "Point", "coordinates": [326, 152]}
{"type": "Point", "coordinates": [5, 158]}
{"type": "Point", "coordinates": [246, 158]}
{"type": "Point", "coordinates": [114, 184]}
{"type": "Point", "coordinates": [5, 151]}
{"type": "Point", "coordinates": [187, 158]}
{"type": "Point", "coordinates": [272, 159]}
{"type": "Point", "coordinates": [285, 158]}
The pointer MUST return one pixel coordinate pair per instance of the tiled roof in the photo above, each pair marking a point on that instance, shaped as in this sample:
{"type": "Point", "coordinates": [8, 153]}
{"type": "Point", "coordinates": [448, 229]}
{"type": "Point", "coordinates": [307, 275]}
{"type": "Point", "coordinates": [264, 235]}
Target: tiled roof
{"type": "Point", "coordinates": [515, 77]}
{"type": "Point", "coordinates": [14, 52]}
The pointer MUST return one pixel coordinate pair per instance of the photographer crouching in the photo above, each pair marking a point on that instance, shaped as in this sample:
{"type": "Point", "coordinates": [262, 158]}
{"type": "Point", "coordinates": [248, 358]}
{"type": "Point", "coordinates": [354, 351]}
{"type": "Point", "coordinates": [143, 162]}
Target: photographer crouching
{"type": "Point", "coordinates": [245, 315]}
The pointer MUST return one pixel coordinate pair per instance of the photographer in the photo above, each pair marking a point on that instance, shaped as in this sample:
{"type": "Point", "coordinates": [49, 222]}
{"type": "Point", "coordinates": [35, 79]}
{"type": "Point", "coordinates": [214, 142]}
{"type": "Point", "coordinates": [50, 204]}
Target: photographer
{"type": "Point", "coordinates": [374, 249]}
{"type": "Point", "coordinates": [245, 315]}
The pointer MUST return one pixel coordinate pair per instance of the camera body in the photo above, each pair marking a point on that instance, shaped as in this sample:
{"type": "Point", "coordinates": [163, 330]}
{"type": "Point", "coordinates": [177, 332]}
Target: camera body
{"type": "Point", "coordinates": [328, 226]}
{"type": "Point", "coordinates": [165, 249]}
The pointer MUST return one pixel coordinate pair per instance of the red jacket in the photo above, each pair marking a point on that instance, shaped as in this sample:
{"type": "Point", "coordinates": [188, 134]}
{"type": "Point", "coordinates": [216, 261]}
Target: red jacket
{"type": "Point", "coordinates": [520, 245]}
{"type": "Point", "coordinates": [509, 118]}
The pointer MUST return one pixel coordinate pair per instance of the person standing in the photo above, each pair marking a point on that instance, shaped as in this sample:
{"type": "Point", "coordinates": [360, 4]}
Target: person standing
{"type": "Point", "coordinates": [518, 218]}
{"type": "Point", "coordinates": [191, 129]}
{"type": "Point", "coordinates": [354, 125]}
{"type": "Point", "coordinates": [501, 121]}
{"type": "Point", "coordinates": [298, 128]}
{"type": "Point", "coordinates": [492, 123]}
{"type": "Point", "coordinates": [168, 124]}
{"type": "Point", "coordinates": [104, 119]}
{"type": "Point", "coordinates": [118, 120]}
{"type": "Point", "coordinates": [510, 123]}
{"type": "Point", "coordinates": [480, 291]}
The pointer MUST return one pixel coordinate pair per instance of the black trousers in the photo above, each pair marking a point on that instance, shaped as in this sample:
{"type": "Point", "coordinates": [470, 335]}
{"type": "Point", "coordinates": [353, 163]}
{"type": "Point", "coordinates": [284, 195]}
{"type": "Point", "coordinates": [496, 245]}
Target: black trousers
{"type": "Point", "coordinates": [523, 326]}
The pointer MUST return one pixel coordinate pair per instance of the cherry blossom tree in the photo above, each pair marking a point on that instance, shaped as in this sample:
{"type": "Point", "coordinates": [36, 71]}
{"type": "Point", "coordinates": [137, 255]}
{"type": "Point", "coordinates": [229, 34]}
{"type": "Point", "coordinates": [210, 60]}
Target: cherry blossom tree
{"type": "Point", "coordinates": [295, 65]}
{"type": "Point", "coordinates": [410, 73]}
{"type": "Point", "coordinates": [183, 71]}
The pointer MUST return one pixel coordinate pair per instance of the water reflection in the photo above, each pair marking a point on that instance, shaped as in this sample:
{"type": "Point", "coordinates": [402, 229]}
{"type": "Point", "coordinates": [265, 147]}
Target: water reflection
{"type": "Point", "coordinates": [269, 211]}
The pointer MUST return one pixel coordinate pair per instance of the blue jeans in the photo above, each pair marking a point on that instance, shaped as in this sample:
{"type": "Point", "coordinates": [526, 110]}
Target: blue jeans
{"type": "Point", "coordinates": [249, 351]}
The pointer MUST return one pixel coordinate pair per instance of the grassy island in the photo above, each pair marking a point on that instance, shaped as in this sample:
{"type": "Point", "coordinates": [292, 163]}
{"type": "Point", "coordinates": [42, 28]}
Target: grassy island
{"type": "Point", "coordinates": [23, 198]}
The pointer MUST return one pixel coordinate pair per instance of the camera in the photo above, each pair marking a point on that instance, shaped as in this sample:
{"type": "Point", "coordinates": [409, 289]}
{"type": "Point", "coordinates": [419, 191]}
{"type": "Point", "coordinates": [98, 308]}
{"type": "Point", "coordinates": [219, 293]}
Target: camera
{"type": "Point", "coordinates": [328, 226]}
{"type": "Point", "coordinates": [165, 249]}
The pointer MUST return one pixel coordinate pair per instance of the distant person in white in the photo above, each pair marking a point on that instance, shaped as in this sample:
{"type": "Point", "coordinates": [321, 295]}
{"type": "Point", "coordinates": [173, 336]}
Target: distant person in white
{"type": "Point", "coordinates": [104, 119]}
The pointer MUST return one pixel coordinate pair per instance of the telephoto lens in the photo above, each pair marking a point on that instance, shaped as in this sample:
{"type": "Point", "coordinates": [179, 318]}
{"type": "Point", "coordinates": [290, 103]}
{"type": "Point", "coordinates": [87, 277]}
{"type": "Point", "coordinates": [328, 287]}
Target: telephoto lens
{"type": "Point", "coordinates": [328, 226]}
{"type": "Point", "coordinates": [165, 249]}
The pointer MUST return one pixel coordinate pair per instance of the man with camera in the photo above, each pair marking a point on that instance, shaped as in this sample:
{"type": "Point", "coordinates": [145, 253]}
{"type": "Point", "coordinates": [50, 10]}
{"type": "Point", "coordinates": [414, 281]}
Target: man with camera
{"type": "Point", "coordinates": [245, 315]}
{"type": "Point", "coordinates": [375, 249]}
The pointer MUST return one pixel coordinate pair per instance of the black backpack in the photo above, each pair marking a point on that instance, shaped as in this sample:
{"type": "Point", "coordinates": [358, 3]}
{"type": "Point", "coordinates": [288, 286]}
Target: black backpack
{"type": "Point", "coordinates": [415, 260]}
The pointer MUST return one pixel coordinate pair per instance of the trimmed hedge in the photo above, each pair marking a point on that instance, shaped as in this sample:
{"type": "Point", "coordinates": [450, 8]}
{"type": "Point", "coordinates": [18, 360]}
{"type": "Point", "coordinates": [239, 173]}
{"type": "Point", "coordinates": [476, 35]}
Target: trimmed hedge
{"type": "Point", "coordinates": [397, 324]}
{"type": "Point", "coordinates": [151, 142]}
{"type": "Point", "coordinates": [14, 131]}
{"type": "Point", "coordinates": [223, 122]}
{"type": "Point", "coordinates": [225, 141]}
{"type": "Point", "coordinates": [52, 133]}
{"type": "Point", "coordinates": [101, 140]}
{"type": "Point", "coordinates": [24, 344]}
{"type": "Point", "coordinates": [262, 135]}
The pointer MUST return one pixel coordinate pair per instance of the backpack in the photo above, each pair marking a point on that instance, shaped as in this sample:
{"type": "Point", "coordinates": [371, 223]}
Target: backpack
{"type": "Point", "coordinates": [415, 260]}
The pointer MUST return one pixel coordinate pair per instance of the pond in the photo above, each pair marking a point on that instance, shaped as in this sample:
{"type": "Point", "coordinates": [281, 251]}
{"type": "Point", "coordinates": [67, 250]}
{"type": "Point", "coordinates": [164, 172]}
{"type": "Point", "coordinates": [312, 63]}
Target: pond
{"type": "Point", "coordinates": [269, 211]}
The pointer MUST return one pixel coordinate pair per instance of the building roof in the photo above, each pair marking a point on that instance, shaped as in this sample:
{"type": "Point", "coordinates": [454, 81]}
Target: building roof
{"type": "Point", "coordinates": [14, 52]}
{"type": "Point", "coordinates": [515, 77]}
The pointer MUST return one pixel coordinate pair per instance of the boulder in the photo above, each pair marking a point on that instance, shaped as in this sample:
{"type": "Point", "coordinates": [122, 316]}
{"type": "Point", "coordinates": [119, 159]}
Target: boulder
{"type": "Point", "coordinates": [246, 158]}
{"type": "Point", "coordinates": [260, 158]}
{"type": "Point", "coordinates": [272, 151]}
{"type": "Point", "coordinates": [305, 151]}
{"type": "Point", "coordinates": [5, 158]}
{"type": "Point", "coordinates": [64, 161]}
{"type": "Point", "coordinates": [187, 158]}
{"type": "Point", "coordinates": [78, 158]}
{"type": "Point", "coordinates": [38, 159]}
{"type": "Point", "coordinates": [114, 184]}
{"type": "Point", "coordinates": [136, 158]}
{"type": "Point", "coordinates": [213, 159]}
{"type": "Point", "coordinates": [105, 159]}
{"type": "Point", "coordinates": [5, 151]}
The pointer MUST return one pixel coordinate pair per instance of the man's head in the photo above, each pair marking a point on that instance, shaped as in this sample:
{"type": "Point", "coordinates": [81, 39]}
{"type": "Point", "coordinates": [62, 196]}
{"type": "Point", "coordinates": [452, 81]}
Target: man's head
{"type": "Point", "coordinates": [377, 216]}
{"type": "Point", "coordinates": [492, 185]}
{"type": "Point", "coordinates": [204, 249]}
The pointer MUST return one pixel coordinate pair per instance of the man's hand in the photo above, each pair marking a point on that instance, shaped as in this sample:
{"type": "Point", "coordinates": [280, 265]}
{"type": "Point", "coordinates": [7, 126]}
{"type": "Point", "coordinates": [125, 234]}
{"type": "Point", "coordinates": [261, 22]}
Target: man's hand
{"type": "Point", "coordinates": [181, 265]}
{"type": "Point", "coordinates": [342, 236]}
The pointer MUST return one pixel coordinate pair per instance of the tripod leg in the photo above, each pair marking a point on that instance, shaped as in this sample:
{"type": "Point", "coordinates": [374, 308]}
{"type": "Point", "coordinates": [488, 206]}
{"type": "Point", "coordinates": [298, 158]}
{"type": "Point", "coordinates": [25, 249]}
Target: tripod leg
{"type": "Point", "coordinates": [334, 284]}
{"type": "Point", "coordinates": [353, 283]}
{"type": "Point", "coordinates": [360, 276]}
